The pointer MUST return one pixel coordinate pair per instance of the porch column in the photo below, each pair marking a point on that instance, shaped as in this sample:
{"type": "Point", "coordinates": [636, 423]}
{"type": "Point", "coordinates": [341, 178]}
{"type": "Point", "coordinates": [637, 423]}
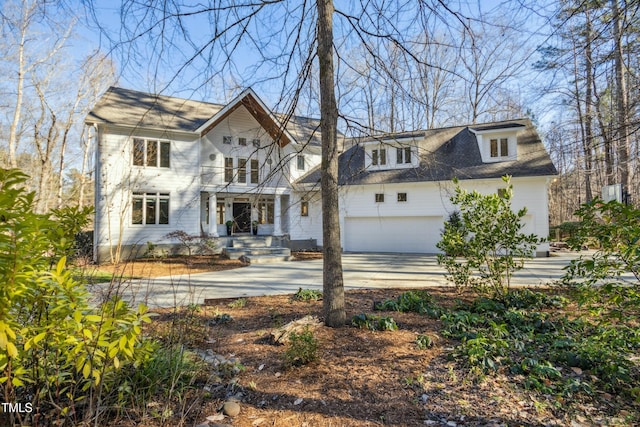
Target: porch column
{"type": "Point", "coordinates": [277, 219]}
{"type": "Point", "coordinates": [213, 208]}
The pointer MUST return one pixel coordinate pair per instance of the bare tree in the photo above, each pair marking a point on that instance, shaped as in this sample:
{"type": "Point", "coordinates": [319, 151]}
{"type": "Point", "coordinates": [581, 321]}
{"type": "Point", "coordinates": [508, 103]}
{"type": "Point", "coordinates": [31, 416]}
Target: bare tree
{"type": "Point", "coordinates": [22, 19]}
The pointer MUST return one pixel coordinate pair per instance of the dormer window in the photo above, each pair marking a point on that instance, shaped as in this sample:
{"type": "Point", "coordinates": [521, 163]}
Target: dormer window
{"type": "Point", "coordinates": [403, 155]}
{"type": "Point", "coordinates": [499, 147]}
{"type": "Point", "coordinates": [379, 157]}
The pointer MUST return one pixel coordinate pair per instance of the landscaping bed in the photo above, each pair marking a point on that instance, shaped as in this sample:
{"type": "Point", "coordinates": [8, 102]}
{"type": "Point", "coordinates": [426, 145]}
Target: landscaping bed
{"type": "Point", "coordinates": [362, 377]}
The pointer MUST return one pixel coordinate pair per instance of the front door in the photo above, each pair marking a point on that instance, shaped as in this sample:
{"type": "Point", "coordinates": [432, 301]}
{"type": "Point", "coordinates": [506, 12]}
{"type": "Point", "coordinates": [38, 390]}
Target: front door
{"type": "Point", "coordinates": [242, 217]}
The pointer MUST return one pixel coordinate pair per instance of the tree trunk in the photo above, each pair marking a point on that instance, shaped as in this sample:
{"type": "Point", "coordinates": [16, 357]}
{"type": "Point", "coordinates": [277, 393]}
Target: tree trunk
{"type": "Point", "coordinates": [333, 286]}
{"type": "Point", "coordinates": [588, 115]}
{"type": "Point", "coordinates": [622, 117]}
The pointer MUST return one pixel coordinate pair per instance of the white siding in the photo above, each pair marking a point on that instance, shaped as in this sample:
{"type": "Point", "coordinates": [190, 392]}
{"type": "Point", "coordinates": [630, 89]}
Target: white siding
{"type": "Point", "coordinates": [241, 124]}
{"type": "Point", "coordinates": [118, 179]}
{"type": "Point", "coordinates": [426, 202]}
{"type": "Point", "coordinates": [305, 227]}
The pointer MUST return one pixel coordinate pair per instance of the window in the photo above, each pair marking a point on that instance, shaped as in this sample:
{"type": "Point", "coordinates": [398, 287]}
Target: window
{"type": "Point", "coordinates": [220, 212]}
{"type": "Point", "coordinates": [150, 208]}
{"type": "Point", "coordinates": [402, 197]}
{"type": "Point", "coordinates": [300, 162]}
{"type": "Point", "coordinates": [265, 211]}
{"type": "Point", "coordinates": [403, 155]}
{"type": "Point", "coordinates": [151, 153]}
{"type": "Point", "coordinates": [226, 139]}
{"type": "Point", "coordinates": [379, 157]}
{"type": "Point", "coordinates": [164, 154]}
{"type": "Point", "coordinates": [256, 143]}
{"type": "Point", "coordinates": [242, 171]}
{"type": "Point", "coordinates": [304, 208]}
{"type": "Point", "coordinates": [255, 171]}
{"type": "Point", "coordinates": [228, 169]}
{"type": "Point", "coordinates": [499, 147]}
{"type": "Point", "coordinates": [504, 147]}
{"type": "Point", "coordinates": [138, 152]}
{"type": "Point", "coordinates": [242, 141]}
{"type": "Point", "coordinates": [379, 198]}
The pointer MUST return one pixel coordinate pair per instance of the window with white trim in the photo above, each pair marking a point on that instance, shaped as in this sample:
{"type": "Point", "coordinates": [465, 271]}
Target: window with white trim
{"type": "Point", "coordinates": [300, 161]}
{"type": "Point", "coordinates": [304, 208]}
{"type": "Point", "coordinates": [242, 171]}
{"type": "Point", "coordinates": [403, 155]}
{"type": "Point", "coordinates": [402, 197]}
{"type": "Point", "coordinates": [150, 209]}
{"type": "Point", "coordinates": [255, 171]}
{"type": "Point", "coordinates": [499, 147]}
{"type": "Point", "coordinates": [151, 153]}
{"type": "Point", "coordinates": [226, 139]}
{"type": "Point", "coordinates": [379, 197]}
{"type": "Point", "coordinates": [379, 156]}
{"type": "Point", "coordinates": [242, 141]}
{"type": "Point", "coordinates": [228, 169]}
{"type": "Point", "coordinates": [256, 143]}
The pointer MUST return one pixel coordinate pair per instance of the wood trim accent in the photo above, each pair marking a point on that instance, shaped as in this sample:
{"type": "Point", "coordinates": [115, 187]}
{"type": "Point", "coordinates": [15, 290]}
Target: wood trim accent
{"type": "Point", "coordinates": [255, 109]}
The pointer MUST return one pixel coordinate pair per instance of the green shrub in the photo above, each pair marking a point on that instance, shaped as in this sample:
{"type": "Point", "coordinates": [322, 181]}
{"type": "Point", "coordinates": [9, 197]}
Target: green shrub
{"type": "Point", "coordinates": [239, 303]}
{"type": "Point", "coordinates": [491, 241]}
{"type": "Point", "coordinates": [616, 229]}
{"type": "Point", "coordinates": [307, 295]}
{"type": "Point", "coordinates": [374, 323]}
{"type": "Point", "coordinates": [424, 342]}
{"type": "Point", "coordinates": [303, 348]}
{"type": "Point", "coordinates": [57, 347]}
{"type": "Point", "coordinates": [411, 301]}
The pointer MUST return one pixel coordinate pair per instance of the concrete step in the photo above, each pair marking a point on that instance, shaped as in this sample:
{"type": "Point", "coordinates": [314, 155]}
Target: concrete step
{"type": "Point", "coordinates": [265, 259]}
{"type": "Point", "coordinates": [237, 253]}
{"type": "Point", "coordinates": [250, 241]}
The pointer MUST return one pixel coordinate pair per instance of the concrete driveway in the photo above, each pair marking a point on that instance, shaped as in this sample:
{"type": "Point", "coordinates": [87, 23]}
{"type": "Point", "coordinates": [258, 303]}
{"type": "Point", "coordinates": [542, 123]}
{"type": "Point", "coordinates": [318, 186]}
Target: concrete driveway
{"type": "Point", "coordinates": [360, 271]}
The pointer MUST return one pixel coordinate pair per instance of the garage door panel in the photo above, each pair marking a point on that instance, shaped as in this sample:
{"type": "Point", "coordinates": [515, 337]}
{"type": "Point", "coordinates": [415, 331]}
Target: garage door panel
{"type": "Point", "coordinates": [393, 234]}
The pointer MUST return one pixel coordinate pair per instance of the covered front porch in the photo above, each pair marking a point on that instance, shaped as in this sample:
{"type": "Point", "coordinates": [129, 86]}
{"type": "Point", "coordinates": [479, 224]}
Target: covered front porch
{"type": "Point", "coordinates": [225, 212]}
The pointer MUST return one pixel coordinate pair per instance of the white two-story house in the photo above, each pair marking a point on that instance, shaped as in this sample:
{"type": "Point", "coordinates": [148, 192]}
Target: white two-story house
{"type": "Point", "coordinates": [165, 164]}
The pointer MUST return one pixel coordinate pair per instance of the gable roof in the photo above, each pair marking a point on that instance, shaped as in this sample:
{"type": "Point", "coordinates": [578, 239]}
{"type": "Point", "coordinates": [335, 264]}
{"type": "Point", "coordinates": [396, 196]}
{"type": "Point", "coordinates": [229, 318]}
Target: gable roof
{"type": "Point", "coordinates": [445, 154]}
{"type": "Point", "coordinates": [125, 107]}
{"type": "Point", "coordinates": [130, 108]}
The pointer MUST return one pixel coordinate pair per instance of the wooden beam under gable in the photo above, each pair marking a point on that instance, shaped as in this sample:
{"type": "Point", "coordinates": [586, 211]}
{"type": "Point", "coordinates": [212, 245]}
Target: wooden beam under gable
{"type": "Point", "coordinates": [265, 120]}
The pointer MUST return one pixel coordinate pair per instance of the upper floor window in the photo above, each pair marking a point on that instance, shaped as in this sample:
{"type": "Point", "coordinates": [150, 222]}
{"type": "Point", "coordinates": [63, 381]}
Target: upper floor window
{"type": "Point", "coordinates": [228, 169]}
{"type": "Point", "coordinates": [256, 143]}
{"type": "Point", "coordinates": [301, 164]}
{"type": "Point", "coordinates": [226, 139]}
{"type": "Point", "coordinates": [304, 208]}
{"type": "Point", "coordinates": [379, 157]}
{"type": "Point", "coordinates": [499, 147]}
{"type": "Point", "coordinates": [255, 171]}
{"type": "Point", "coordinates": [403, 155]}
{"type": "Point", "coordinates": [402, 197]}
{"type": "Point", "coordinates": [151, 153]}
{"type": "Point", "coordinates": [242, 171]}
{"type": "Point", "coordinates": [379, 197]}
{"type": "Point", "coordinates": [242, 141]}
{"type": "Point", "coordinates": [150, 208]}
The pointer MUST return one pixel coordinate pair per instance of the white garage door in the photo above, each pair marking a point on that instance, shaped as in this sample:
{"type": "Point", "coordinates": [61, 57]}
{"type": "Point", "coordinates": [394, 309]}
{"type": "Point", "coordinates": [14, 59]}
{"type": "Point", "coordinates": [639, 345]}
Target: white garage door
{"type": "Point", "coordinates": [393, 234]}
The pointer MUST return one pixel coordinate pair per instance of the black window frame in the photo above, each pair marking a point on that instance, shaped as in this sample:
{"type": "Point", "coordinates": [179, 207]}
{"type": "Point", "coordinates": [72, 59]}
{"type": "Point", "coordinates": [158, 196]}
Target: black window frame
{"type": "Point", "coordinates": [150, 208]}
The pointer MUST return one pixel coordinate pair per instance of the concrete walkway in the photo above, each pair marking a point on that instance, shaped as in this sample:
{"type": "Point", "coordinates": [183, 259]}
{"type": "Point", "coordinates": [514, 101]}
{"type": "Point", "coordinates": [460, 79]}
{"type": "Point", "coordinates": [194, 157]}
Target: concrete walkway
{"type": "Point", "coordinates": [361, 271]}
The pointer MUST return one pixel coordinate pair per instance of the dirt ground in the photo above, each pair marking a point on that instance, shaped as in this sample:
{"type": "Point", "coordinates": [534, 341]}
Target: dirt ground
{"type": "Point", "coordinates": [362, 378]}
{"type": "Point", "coordinates": [183, 265]}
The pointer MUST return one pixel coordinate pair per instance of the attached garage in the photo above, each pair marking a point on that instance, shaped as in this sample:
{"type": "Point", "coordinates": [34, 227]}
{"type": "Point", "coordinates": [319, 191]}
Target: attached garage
{"type": "Point", "coordinates": [402, 234]}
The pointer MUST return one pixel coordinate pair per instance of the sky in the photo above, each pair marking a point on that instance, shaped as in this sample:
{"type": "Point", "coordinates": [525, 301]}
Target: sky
{"type": "Point", "coordinates": [140, 67]}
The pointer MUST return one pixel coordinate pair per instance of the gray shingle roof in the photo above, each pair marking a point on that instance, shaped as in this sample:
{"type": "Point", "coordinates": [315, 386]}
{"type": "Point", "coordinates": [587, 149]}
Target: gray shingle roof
{"type": "Point", "coordinates": [125, 107]}
{"type": "Point", "coordinates": [446, 154]}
